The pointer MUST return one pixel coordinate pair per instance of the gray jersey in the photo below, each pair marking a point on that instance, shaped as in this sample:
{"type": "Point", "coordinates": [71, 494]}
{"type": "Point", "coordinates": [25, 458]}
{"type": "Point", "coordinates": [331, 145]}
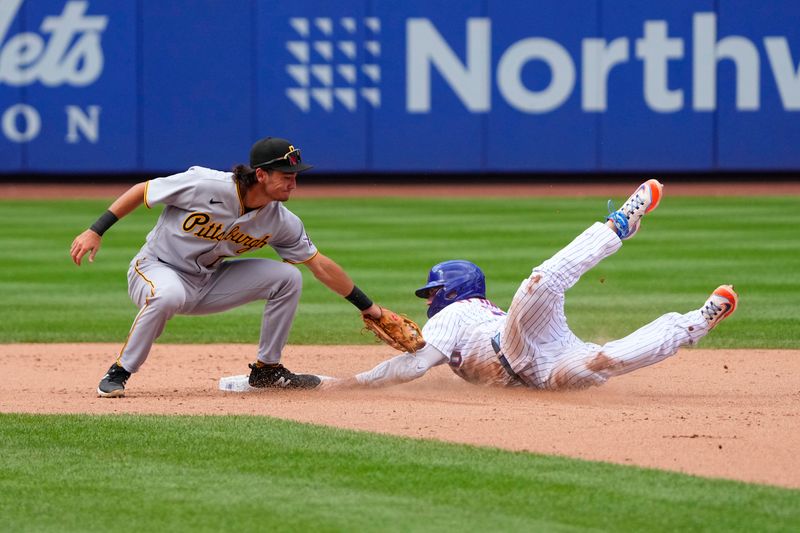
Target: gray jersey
{"type": "Point", "coordinates": [204, 222]}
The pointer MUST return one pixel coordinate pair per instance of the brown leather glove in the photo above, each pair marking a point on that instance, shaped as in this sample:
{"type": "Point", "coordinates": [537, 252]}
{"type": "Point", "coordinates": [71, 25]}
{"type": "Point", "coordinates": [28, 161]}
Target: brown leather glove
{"type": "Point", "coordinates": [398, 331]}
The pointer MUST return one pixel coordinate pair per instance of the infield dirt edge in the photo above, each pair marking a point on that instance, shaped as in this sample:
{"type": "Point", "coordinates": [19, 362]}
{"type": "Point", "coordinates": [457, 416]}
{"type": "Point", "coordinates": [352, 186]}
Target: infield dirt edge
{"type": "Point", "coordinates": [716, 413]}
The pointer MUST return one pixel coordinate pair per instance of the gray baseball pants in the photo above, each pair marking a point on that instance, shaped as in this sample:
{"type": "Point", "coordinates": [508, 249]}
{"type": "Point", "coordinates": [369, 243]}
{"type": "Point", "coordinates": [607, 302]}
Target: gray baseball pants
{"type": "Point", "coordinates": [162, 292]}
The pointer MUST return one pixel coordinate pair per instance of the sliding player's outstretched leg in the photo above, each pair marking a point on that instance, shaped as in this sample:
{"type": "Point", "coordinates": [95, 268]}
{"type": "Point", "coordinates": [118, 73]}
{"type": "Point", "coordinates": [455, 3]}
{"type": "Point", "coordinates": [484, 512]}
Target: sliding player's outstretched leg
{"type": "Point", "coordinates": [646, 346]}
{"type": "Point", "coordinates": [536, 315]}
{"type": "Point", "coordinates": [595, 243]}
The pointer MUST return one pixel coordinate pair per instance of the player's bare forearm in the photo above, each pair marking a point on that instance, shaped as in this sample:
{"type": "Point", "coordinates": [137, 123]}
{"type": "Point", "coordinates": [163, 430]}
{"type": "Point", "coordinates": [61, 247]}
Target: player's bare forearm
{"type": "Point", "coordinates": [129, 200]}
{"type": "Point", "coordinates": [327, 271]}
{"type": "Point", "coordinates": [89, 240]}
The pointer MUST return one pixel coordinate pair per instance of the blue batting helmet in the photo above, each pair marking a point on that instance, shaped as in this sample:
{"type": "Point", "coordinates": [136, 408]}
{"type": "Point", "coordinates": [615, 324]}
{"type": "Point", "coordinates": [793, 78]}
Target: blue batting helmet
{"type": "Point", "coordinates": [458, 279]}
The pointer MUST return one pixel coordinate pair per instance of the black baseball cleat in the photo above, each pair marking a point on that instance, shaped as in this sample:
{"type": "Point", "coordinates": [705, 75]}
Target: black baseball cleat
{"type": "Point", "coordinates": [113, 383]}
{"type": "Point", "coordinates": [277, 376]}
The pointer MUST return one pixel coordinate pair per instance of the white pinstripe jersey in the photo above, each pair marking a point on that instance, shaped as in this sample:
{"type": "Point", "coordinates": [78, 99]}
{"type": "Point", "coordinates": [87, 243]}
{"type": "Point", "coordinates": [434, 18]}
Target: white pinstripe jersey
{"type": "Point", "coordinates": [535, 339]}
{"type": "Point", "coordinates": [205, 221]}
{"type": "Point", "coordinates": [463, 332]}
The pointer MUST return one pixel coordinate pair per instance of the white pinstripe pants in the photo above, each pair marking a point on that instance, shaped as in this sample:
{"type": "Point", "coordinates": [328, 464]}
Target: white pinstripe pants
{"type": "Point", "coordinates": [543, 351]}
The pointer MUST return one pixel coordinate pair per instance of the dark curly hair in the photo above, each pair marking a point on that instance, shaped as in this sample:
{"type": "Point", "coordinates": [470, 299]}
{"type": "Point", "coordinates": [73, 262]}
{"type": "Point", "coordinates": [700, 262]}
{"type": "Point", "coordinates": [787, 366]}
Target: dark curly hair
{"type": "Point", "coordinates": [244, 176]}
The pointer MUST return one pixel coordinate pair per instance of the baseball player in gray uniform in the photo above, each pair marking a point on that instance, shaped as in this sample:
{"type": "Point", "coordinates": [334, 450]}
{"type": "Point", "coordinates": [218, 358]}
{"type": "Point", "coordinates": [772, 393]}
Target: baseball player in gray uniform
{"type": "Point", "coordinates": [184, 266]}
{"type": "Point", "coordinates": [531, 345]}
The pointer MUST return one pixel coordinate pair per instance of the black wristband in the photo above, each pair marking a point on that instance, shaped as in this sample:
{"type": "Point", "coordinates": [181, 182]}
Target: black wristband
{"type": "Point", "coordinates": [359, 299]}
{"type": "Point", "coordinates": [105, 221]}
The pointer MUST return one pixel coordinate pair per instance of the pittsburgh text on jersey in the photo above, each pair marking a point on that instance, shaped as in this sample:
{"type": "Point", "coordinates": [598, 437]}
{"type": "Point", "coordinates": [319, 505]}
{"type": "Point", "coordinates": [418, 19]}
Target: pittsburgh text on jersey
{"type": "Point", "coordinates": [205, 227]}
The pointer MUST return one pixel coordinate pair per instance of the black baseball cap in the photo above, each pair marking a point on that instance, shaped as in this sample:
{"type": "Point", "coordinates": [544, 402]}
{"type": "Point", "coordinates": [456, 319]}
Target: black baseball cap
{"type": "Point", "coordinates": [276, 154]}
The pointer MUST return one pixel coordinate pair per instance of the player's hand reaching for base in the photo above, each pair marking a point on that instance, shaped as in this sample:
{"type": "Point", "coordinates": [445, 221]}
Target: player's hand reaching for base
{"type": "Point", "coordinates": [86, 242]}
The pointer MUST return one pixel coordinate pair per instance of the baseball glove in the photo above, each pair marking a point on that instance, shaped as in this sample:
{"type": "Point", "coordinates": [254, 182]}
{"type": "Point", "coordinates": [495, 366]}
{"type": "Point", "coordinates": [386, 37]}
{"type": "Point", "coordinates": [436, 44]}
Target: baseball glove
{"type": "Point", "coordinates": [398, 331]}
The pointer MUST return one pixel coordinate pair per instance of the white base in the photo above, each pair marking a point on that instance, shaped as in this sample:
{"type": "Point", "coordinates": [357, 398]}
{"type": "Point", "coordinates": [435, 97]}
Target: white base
{"type": "Point", "coordinates": [235, 383]}
{"type": "Point", "coordinates": [241, 383]}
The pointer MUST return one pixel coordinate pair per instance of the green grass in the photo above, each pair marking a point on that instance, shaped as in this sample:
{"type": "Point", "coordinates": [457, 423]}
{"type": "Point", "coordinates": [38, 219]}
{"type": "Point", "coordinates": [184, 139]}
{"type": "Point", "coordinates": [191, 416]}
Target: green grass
{"type": "Point", "coordinates": [685, 249]}
{"type": "Point", "coordinates": [152, 473]}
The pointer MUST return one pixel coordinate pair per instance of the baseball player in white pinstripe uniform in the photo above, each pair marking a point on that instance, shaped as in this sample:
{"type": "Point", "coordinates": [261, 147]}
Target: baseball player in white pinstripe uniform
{"type": "Point", "coordinates": [184, 266]}
{"type": "Point", "coordinates": [532, 345]}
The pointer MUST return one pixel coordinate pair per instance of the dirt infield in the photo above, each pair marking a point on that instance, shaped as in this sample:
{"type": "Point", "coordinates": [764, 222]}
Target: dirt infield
{"type": "Point", "coordinates": [730, 414]}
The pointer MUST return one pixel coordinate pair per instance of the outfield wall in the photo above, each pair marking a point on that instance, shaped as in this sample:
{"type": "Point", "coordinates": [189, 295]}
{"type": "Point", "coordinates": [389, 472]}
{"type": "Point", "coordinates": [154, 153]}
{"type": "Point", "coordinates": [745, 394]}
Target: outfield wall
{"type": "Point", "coordinates": [579, 86]}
